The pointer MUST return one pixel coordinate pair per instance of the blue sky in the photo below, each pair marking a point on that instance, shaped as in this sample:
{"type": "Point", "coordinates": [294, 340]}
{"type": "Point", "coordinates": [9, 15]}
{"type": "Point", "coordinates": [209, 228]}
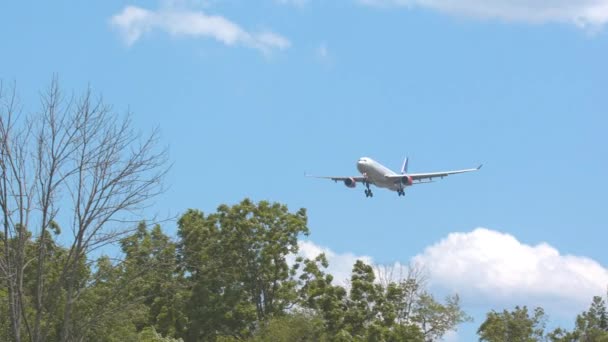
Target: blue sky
{"type": "Point", "coordinates": [251, 95]}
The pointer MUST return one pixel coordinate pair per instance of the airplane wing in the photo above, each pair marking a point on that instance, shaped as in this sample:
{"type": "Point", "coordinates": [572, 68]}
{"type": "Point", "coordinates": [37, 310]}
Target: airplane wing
{"type": "Point", "coordinates": [338, 179]}
{"type": "Point", "coordinates": [420, 177]}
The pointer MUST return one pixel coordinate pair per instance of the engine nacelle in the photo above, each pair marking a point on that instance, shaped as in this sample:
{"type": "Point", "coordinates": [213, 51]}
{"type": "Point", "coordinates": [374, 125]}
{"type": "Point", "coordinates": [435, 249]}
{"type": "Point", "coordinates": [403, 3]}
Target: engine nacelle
{"type": "Point", "coordinates": [407, 180]}
{"type": "Point", "coordinates": [350, 182]}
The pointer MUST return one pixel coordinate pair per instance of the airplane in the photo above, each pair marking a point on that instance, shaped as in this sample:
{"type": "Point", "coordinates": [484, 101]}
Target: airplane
{"type": "Point", "coordinates": [379, 175]}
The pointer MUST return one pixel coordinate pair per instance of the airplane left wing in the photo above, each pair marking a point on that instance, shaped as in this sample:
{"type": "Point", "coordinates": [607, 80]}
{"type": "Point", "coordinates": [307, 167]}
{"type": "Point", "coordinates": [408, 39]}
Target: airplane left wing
{"type": "Point", "coordinates": [340, 178]}
{"type": "Point", "coordinates": [430, 175]}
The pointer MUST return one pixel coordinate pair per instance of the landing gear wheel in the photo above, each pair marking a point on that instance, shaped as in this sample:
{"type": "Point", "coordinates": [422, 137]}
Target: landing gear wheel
{"type": "Point", "coordinates": [368, 191]}
{"type": "Point", "coordinates": [401, 192]}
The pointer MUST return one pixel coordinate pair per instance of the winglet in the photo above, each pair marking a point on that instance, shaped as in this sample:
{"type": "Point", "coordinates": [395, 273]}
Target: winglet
{"type": "Point", "coordinates": [479, 167]}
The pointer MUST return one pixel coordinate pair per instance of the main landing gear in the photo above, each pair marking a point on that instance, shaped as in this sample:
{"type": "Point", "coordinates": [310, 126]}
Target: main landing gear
{"type": "Point", "coordinates": [368, 191]}
{"type": "Point", "coordinates": [401, 192]}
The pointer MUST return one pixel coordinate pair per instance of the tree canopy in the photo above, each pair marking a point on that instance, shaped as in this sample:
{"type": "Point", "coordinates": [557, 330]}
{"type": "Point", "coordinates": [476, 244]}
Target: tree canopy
{"type": "Point", "coordinates": [231, 275]}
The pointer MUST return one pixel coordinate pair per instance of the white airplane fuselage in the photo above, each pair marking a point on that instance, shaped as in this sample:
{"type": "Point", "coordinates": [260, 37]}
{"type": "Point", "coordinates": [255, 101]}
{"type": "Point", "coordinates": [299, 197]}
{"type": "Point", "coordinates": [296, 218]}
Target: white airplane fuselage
{"type": "Point", "coordinates": [376, 174]}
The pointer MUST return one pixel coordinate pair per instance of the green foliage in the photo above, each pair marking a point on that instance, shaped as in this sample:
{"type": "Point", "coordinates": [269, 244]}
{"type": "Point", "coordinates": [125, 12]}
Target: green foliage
{"type": "Point", "coordinates": [405, 333]}
{"type": "Point", "coordinates": [517, 325]}
{"type": "Point", "coordinates": [227, 278]}
{"type": "Point", "coordinates": [104, 312]}
{"type": "Point", "coordinates": [590, 326]}
{"type": "Point", "coordinates": [318, 294]}
{"type": "Point", "coordinates": [294, 327]}
{"type": "Point", "coordinates": [149, 334]}
{"type": "Point", "coordinates": [54, 291]}
{"type": "Point", "coordinates": [5, 329]}
{"type": "Point", "coordinates": [151, 274]}
{"type": "Point", "coordinates": [370, 311]}
{"type": "Point", "coordinates": [236, 262]}
{"type": "Point", "coordinates": [436, 319]}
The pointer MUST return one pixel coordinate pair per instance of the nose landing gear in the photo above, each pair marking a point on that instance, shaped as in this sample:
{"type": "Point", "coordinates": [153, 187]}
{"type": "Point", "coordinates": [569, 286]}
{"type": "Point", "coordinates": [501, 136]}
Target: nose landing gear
{"type": "Point", "coordinates": [401, 192]}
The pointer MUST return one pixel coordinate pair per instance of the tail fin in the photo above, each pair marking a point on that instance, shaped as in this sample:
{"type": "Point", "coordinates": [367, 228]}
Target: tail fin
{"type": "Point", "coordinates": [404, 166]}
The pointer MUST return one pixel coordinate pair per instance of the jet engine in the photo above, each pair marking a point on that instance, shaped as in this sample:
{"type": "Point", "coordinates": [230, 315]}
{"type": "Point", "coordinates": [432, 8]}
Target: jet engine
{"type": "Point", "coordinates": [407, 180]}
{"type": "Point", "coordinates": [350, 182]}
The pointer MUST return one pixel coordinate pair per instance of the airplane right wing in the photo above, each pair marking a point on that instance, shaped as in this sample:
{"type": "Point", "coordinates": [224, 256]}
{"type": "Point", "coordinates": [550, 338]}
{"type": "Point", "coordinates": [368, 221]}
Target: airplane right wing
{"type": "Point", "coordinates": [430, 175]}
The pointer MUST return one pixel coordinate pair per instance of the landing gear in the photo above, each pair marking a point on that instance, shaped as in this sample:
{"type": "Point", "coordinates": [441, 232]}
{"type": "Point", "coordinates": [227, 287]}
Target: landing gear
{"type": "Point", "coordinates": [368, 191]}
{"type": "Point", "coordinates": [401, 192]}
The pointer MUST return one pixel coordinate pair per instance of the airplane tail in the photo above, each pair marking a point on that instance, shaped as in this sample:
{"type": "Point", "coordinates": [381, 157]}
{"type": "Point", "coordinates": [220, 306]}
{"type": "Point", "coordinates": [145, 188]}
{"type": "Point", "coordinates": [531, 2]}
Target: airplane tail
{"type": "Point", "coordinates": [404, 166]}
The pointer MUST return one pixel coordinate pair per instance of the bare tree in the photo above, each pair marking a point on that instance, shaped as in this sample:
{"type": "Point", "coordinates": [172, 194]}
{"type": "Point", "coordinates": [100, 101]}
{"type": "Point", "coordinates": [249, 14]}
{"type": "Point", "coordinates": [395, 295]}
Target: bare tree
{"type": "Point", "coordinates": [117, 172]}
{"type": "Point", "coordinates": [55, 144]}
{"type": "Point", "coordinates": [77, 160]}
{"type": "Point", "coordinates": [16, 188]}
{"type": "Point", "coordinates": [414, 305]}
{"type": "Point", "coordinates": [411, 281]}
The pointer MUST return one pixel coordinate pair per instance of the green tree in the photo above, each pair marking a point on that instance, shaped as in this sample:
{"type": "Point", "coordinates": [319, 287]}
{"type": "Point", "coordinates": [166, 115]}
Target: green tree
{"type": "Point", "coordinates": [328, 301]}
{"type": "Point", "coordinates": [436, 319]}
{"type": "Point", "coordinates": [104, 310]}
{"type": "Point", "coordinates": [372, 311]}
{"type": "Point", "coordinates": [5, 326]}
{"type": "Point", "coordinates": [293, 327]}
{"type": "Point", "coordinates": [52, 294]}
{"type": "Point", "coordinates": [590, 325]}
{"type": "Point", "coordinates": [235, 260]}
{"type": "Point", "coordinates": [151, 273]}
{"type": "Point", "coordinates": [365, 297]}
{"type": "Point", "coordinates": [518, 325]}
{"type": "Point", "coordinates": [149, 334]}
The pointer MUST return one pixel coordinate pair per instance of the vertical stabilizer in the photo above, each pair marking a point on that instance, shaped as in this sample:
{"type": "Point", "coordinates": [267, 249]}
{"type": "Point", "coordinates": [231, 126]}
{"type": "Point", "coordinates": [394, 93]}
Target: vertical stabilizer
{"type": "Point", "coordinates": [404, 166]}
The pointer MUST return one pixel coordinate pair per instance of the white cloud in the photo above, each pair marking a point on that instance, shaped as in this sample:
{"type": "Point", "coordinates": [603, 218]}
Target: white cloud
{"type": "Point", "coordinates": [585, 13]}
{"type": "Point", "coordinates": [340, 265]}
{"type": "Point", "coordinates": [491, 269]}
{"type": "Point", "coordinates": [495, 267]}
{"type": "Point", "coordinates": [133, 22]}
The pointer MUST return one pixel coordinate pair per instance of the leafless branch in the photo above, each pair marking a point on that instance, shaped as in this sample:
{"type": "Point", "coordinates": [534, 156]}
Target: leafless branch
{"type": "Point", "coordinates": [78, 147]}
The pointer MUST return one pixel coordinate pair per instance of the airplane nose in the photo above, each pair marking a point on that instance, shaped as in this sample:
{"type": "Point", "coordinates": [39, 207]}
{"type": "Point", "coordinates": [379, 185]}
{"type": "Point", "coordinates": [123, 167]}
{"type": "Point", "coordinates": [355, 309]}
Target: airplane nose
{"type": "Point", "coordinates": [360, 164]}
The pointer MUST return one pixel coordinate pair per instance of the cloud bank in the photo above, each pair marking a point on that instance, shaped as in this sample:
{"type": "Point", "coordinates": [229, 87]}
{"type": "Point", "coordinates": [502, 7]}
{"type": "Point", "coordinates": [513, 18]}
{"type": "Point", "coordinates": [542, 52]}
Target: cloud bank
{"type": "Point", "coordinates": [494, 269]}
{"type": "Point", "coordinates": [495, 266]}
{"type": "Point", "coordinates": [133, 22]}
{"type": "Point", "coordinates": [584, 13]}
